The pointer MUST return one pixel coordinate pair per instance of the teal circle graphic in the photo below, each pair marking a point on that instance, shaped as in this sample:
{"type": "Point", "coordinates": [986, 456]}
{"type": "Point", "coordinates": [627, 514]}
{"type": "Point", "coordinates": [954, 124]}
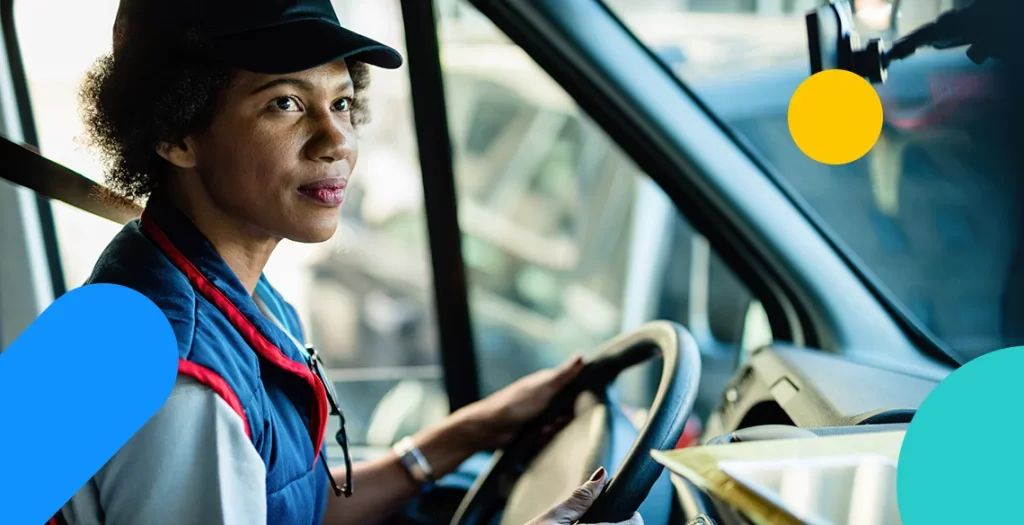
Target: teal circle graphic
{"type": "Point", "coordinates": [963, 455]}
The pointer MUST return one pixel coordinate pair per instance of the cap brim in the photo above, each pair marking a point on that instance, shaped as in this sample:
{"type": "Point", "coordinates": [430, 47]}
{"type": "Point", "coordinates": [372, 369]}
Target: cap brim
{"type": "Point", "coordinates": [298, 46]}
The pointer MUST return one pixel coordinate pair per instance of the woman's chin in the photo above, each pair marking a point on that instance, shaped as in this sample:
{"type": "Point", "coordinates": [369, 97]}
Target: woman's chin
{"type": "Point", "coordinates": [316, 231]}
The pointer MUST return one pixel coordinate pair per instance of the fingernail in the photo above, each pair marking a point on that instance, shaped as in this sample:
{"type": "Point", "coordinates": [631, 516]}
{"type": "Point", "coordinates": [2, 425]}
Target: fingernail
{"type": "Point", "coordinates": [598, 475]}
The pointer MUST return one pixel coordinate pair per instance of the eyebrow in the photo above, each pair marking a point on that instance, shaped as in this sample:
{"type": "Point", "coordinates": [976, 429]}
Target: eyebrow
{"type": "Point", "coordinates": [297, 82]}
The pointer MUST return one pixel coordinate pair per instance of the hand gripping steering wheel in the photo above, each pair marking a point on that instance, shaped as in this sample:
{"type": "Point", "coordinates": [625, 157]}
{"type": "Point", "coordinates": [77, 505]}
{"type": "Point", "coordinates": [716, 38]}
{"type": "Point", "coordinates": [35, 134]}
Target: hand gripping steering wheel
{"type": "Point", "coordinates": [527, 477]}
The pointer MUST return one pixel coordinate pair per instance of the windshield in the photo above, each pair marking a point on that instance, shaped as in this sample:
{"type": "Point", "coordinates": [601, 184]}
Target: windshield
{"type": "Point", "coordinates": [929, 214]}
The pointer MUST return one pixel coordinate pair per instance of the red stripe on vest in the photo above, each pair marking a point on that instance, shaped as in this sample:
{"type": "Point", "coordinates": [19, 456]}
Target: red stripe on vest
{"type": "Point", "coordinates": [217, 384]}
{"type": "Point", "coordinates": [248, 331]}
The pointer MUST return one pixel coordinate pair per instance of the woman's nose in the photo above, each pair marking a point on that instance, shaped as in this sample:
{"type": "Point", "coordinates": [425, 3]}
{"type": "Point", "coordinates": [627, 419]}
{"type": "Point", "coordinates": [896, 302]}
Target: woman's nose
{"type": "Point", "coordinates": [331, 141]}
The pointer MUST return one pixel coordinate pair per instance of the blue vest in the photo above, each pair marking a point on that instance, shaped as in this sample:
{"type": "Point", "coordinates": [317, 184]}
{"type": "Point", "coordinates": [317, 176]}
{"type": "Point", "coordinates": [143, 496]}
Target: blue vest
{"type": "Point", "coordinates": [225, 342]}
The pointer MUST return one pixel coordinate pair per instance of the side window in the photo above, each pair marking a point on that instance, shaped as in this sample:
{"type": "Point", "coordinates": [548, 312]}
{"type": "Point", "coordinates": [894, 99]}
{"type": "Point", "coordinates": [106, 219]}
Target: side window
{"type": "Point", "coordinates": [365, 296]}
{"type": "Point", "coordinates": [567, 243]}
{"type": "Point", "coordinates": [55, 72]}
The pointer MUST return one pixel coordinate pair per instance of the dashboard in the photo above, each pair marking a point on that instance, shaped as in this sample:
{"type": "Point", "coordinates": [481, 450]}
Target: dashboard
{"type": "Point", "coordinates": [811, 389]}
{"type": "Point", "coordinates": [787, 392]}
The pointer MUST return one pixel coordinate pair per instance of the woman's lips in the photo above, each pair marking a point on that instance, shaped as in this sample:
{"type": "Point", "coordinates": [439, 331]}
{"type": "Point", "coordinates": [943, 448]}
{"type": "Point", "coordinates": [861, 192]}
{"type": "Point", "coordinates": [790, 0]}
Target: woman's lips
{"type": "Point", "coordinates": [325, 192]}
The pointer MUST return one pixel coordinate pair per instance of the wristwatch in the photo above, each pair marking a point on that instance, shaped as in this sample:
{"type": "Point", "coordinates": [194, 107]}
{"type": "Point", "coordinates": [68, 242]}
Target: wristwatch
{"type": "Point", "coordinates": [414, 462]}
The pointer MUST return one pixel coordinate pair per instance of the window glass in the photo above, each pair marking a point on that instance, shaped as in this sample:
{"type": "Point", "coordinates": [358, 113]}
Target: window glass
{"type": "Point", "coordinates": [55, 73]}
{"type": "Point", "coordinates": [371, 315]}
{"type": "Point", "coordinates": [567, 243]}
{"type": "Point", "coordinates": [931, 212]}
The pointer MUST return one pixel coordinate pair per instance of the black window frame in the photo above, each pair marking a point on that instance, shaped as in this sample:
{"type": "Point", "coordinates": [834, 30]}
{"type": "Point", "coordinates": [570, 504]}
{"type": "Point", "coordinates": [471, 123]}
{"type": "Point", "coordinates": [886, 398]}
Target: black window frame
{"type": "Point", "coordinates": [30, 137]}
{"type": "Point", "coordinates": [551, 32]}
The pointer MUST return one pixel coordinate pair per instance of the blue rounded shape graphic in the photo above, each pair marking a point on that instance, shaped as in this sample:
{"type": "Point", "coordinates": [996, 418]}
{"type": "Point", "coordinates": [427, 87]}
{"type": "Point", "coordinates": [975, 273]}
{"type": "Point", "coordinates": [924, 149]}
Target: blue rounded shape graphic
{"type": "Point", "coordinates": [74, 387]}
{"type": "Point", "coordinates": [962, 455]}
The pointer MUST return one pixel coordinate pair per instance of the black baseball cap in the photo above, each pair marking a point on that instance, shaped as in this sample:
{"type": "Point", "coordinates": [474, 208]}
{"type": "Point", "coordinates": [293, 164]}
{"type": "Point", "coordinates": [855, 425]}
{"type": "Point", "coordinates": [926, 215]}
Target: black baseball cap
{"type": "Point", "coordinates": [261, 36]}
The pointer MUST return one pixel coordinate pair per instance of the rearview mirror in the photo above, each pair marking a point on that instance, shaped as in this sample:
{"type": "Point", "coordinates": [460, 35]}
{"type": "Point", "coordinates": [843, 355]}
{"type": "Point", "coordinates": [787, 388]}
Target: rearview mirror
{"type": "Point", "coordinates": [834, 43]}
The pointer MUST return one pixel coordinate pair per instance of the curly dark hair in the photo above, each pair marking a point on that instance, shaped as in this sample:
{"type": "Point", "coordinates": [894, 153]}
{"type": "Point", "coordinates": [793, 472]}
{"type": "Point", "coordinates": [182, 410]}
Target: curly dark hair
{"type": "Point", "coordinates": [134, 99]}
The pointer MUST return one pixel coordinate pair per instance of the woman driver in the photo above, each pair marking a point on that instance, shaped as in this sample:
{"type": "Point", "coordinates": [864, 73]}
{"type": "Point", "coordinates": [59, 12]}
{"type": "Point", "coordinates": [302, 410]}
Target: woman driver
{"type": "Point", "coordinates": [236, 121]}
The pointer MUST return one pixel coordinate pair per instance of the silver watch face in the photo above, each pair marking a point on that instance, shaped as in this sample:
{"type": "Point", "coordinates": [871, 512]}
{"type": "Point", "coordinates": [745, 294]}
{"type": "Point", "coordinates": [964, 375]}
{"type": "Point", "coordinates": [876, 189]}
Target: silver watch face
{"type": "Point", "coordinates": [413, 461]}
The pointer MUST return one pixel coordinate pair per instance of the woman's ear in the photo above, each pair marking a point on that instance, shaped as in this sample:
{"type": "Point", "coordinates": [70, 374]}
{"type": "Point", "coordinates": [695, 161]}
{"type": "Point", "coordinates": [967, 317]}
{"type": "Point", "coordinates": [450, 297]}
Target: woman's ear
{"type": "Point", "coordinates": [182, 154]}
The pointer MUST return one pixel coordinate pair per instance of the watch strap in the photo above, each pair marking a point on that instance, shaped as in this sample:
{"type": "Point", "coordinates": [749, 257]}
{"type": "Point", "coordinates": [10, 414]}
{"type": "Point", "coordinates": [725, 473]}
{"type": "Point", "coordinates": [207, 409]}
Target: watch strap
{"type": "Point", "coordinates": [414, 462]}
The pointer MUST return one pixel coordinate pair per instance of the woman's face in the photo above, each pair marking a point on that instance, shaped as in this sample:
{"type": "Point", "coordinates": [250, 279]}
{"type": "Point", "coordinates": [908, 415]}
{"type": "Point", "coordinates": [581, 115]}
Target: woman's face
{"type": "Point", "coordinates": [280, 152]}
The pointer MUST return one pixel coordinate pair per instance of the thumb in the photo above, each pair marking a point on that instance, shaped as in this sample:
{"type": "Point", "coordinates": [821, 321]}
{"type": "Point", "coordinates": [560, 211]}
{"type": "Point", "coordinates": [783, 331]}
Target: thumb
{"type": "Point", "coordinates": [576, 505]}
{"type": "Point", "coordinates": [568, 370]}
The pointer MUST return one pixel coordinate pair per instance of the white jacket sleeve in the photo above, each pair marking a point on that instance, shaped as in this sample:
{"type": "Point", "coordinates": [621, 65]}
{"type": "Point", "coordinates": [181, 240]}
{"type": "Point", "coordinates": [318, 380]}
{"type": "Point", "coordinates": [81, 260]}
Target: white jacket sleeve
{"type": "Point", "coordinates": [192, 464]}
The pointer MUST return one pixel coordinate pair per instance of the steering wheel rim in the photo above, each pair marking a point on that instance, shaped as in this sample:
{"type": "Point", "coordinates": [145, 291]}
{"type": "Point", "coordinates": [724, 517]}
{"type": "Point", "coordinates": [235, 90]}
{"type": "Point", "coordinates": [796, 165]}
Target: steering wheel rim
{"type": "Point", "coordinates": [629, 487]}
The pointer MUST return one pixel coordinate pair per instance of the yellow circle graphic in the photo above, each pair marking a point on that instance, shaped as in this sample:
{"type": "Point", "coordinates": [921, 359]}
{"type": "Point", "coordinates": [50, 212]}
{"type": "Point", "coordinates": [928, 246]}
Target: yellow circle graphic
{"type": "Point", "coordinates": [835, 117]}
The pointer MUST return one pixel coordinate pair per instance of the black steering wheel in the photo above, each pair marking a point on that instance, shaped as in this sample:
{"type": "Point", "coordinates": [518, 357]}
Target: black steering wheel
{"type": "Point", "coordinates": [528, 477]}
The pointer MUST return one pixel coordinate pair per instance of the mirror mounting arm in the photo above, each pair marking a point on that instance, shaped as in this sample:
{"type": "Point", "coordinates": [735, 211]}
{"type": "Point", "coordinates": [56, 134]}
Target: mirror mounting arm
{"type": "Point", "coordinates": [986, 26]}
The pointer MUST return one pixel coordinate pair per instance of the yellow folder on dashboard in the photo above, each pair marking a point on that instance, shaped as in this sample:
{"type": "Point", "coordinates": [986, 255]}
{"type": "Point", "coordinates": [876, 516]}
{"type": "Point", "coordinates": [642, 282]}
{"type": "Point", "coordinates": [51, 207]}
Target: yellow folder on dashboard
{"type": "Point", "coordinates": [702, 466]}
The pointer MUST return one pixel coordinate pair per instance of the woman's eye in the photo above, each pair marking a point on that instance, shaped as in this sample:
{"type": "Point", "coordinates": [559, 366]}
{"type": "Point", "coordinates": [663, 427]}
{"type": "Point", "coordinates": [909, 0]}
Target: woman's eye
{"type": "Point", "coordinates": [344, 104]}
{"type": "Point", "coordinates": [284, 104]}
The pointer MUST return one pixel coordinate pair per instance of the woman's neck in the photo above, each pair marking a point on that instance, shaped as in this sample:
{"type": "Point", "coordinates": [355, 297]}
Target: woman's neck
{"type": "Point", "coordinates": [245, 249]}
